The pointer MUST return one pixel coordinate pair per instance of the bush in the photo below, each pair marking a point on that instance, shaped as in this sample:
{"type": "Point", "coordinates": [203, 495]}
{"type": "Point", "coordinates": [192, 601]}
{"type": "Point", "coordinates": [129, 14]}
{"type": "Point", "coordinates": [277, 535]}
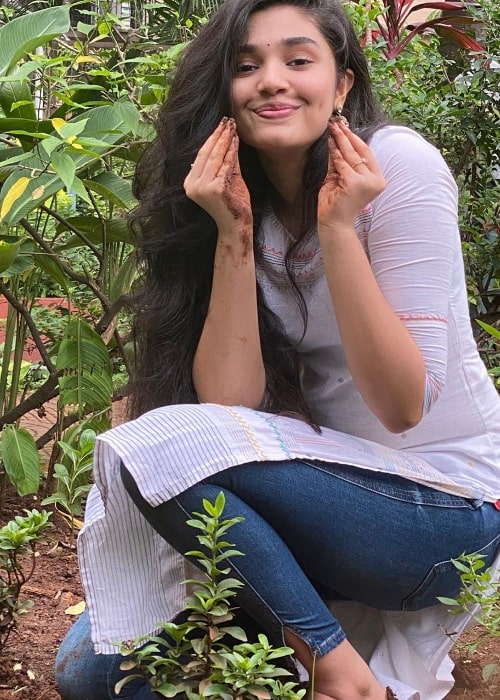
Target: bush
{"type": "Point", "coordinates": [18, 541]}
{"type": "Point", "coordinates": [199, 658]}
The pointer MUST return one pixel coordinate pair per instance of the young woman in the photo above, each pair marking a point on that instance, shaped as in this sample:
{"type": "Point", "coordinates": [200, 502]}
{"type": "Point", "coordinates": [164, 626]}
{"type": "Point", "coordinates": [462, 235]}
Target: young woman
{"type": "Point", "coordinates": [303, 337]}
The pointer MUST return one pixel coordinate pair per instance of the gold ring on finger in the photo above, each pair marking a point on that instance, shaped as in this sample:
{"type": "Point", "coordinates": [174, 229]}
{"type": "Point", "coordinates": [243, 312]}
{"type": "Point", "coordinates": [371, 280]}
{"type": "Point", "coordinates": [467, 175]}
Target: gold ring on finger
{"type": "Point", "coordinates": [363, 161]}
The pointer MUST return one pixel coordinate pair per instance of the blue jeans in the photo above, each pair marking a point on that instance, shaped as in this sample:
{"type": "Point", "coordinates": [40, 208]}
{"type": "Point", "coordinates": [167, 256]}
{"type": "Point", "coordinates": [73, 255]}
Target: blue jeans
{"type": "Point", "coordinates": [314, 531]}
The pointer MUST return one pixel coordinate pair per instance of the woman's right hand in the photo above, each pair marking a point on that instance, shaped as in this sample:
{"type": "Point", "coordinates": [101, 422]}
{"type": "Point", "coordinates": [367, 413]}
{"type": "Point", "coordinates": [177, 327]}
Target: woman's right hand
{"type": "Point", "coordinates": [228, 366]}
{"type": "Point", "coordinates": [215, 182]}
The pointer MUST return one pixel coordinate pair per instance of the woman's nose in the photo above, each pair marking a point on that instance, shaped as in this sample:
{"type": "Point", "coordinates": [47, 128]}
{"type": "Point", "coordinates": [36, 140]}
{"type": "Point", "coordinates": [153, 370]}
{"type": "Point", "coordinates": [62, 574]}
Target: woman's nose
{"type": "Point", "coordinates": [272, 79]}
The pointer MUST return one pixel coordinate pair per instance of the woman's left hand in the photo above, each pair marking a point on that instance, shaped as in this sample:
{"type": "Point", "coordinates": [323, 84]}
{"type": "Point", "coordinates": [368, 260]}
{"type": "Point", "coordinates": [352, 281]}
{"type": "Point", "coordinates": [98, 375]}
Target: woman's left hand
{"type": "Point", "coordinates": [353, 179]}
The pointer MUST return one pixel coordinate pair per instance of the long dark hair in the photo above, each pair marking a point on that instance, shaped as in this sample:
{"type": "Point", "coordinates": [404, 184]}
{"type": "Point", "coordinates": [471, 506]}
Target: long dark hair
{"type": "Point", "coordinates": [177, 238]}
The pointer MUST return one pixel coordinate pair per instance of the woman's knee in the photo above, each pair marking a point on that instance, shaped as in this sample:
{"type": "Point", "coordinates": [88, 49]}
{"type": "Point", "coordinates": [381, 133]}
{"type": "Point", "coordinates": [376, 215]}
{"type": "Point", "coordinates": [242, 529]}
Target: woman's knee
{"type": "Point", "coordinates": [80, 672]}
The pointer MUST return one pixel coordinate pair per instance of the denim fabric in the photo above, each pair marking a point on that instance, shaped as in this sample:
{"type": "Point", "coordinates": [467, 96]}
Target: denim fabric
{"type": "Point", "coordinates": [328, 531]}
{"type": "Point", "coordinates": [313, 531]}
{"type": "Point", "coordinates": [81, 674]}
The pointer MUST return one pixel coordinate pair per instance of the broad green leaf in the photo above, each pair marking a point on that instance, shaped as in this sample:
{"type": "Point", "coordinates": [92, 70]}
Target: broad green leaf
{"type": "Point", "coordinates": [21, 459]}
{"type": "Point", "coordinates": [22, 71]}
{"type": "Point", "coordinates": [117, 231]}
{"type": "Point", "coordinates": [49, 145]}
{"type": "Point", "coordinates": [64, 165]}
{"type": "Point", "coordinates": [18, 156]}
{"type": "Point", "coordinates": [108, 123]}
{"type": "Point", "coordinates": [80, 191]}
{"type": "Point", "coordinates": [53, 269]}
{"type": "Point", "coordinates": [8, 253]}
{"type": "Point", "coordinates": [123, 279]}
{"type": "Point", "coordinates": [24, 34]}
{"type": "Point", "coordinates": [113, 188]}
{"type": "Point", "coordinates": [22, 262]}
{"type": "Point", "coordinates": [67, 129]}
{"type": "Point", "coordinates": [15, 125]}
{"type": "Point", "coordinates": [17, 92]}
{"type": "Point", "coordinates": [84, 361]}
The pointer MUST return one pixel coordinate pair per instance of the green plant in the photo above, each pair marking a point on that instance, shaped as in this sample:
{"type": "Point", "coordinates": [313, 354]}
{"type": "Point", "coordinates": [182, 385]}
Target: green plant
{"type": "Point", "coordinates": [198, 660]}
{"type": "Point", "coordinates": [18, 541]}
{"type": "Point", "coordinates": [480, 598]}
{"type": "Point", "coordinates": [69, 135]}
{"type": "Point", "coordinates": [73, 478]}
{"type": "Point", "coordinates": [390, 22]}
{"type": "Point", "coordinates": [490, 344]}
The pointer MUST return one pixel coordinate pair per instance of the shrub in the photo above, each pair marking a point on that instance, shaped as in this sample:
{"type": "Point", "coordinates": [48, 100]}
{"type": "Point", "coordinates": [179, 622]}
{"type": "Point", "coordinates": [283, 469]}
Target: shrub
{"type": "Point", "coordinates": [199, 659]}
{"type": "Point", "coordinates": [18, 541]}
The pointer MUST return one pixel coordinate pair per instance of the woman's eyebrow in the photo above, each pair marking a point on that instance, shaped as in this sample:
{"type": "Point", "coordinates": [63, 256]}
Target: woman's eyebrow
{"type": "Point", "coordinates": [289, 41]}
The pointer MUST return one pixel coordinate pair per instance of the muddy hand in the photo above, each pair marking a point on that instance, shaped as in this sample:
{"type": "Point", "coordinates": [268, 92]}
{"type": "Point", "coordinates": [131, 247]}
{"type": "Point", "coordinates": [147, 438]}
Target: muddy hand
{"type": "Point", "coordinates": [215, 182]}
{"type": "Point", "coordinates": [353, 179]}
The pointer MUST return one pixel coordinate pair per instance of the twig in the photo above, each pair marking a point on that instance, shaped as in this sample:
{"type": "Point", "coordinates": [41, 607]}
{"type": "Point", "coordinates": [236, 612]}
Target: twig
{"type": "Point", "coordinates": [73, 229]}
{"type": "Point", "coordinates": [46, 392]}
{"type": "Point", "coordinates": [23, 311]}
{"type": "Point", "coordinates": [65, 267]}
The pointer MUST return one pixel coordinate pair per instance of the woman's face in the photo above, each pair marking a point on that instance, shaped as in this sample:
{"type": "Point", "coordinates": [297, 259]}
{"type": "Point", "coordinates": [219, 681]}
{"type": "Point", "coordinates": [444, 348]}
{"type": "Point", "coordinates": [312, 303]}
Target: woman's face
{"type": "Point", "coordinates": [286, 86]}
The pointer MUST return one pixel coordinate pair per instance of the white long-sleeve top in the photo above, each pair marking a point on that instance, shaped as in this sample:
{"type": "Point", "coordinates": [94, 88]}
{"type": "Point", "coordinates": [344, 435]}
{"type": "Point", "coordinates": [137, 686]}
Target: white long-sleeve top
{"type": "Point", "coordinates": [133, 578]}
{"type": "Point", "coordinates": [410, 234]}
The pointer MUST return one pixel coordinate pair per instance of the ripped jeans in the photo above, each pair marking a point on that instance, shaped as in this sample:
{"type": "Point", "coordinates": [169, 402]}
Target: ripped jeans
{"type": "Point", "coordinates": [312, 532]}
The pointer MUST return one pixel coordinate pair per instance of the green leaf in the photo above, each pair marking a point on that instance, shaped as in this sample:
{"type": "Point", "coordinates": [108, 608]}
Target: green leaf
{"type": "Point", "coordinates": [26, 126]}
{"type": "Point", "coordinates": [24, 34]}
{"type": "Point", "coordinates": [80, 191]}
{"type": "Point", "coordinates": [83, 358]}
{"type": "Point", "coordinates": [22, 262]}
{"type": "Point", "coordinates": [122, 281]}
{"type": "Point", "coordinates": [117, 231]}
{"type": "Point", "coordinates": [13, 194]}
{"type": "Point", "coordinates": [447, 601]}
{"type": "Point", "coordinates": [113, 188]}
{"type": "Point", "coordinates": [53, 269]}
{"type": "Point", "coordinates": [64, 165]}
{"type": "Point", "coordinates": [16, 99]}
{"type": "Point", "coordinates": [217, 689]}
{"type": "Point", "coordinates": [17, 157]}
{"type": "Point", "coordinates": [110, 124]}
{"type": "Point", "coordinates": [126, 680]}
{"type": "Point", "coordinates": [21, 459]}
{"type": "Point", "coordinates": [8, 253]}
{"type": "Point", "coordinates": [489, 329]}
{"type": "Point", "coordinates": [461, 566]}
{"type": "Point", "coordinates": [67, 129]}
{"type": "Point", "coordinates": [235, 632]}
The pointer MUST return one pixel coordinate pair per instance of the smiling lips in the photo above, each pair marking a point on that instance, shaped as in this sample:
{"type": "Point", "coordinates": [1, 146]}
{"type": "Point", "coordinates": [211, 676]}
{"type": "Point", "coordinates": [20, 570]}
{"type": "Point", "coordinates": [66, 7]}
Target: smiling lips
{"type": "Point", "coordinates": [275, 110]}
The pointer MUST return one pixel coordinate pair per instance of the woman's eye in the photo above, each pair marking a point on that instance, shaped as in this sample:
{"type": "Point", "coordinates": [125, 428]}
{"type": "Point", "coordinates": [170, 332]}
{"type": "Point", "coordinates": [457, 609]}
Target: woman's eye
{"type": "Point", "coordinates": [245, 68]}
{"type": "Point", "coordinates": [299, 62]}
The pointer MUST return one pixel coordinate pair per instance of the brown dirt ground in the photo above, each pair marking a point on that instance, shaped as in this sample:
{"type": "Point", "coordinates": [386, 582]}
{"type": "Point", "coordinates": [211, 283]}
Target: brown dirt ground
{"type": "Point", "coordinates": [26, 665]}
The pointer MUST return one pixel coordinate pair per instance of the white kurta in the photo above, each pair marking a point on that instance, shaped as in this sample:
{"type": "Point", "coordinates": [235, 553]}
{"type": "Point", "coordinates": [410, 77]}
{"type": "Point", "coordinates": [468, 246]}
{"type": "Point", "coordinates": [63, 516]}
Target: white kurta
{"type": "Point", "coordinates": [133, 578]}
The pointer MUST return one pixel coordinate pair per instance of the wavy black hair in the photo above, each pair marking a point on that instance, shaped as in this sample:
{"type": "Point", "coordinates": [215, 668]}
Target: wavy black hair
{"type": "Point", "coordinates": [177, 238]}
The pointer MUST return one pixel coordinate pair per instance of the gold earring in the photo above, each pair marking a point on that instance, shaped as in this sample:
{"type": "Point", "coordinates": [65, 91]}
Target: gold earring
{"type": "Point", "coordinates": [339, 117]}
